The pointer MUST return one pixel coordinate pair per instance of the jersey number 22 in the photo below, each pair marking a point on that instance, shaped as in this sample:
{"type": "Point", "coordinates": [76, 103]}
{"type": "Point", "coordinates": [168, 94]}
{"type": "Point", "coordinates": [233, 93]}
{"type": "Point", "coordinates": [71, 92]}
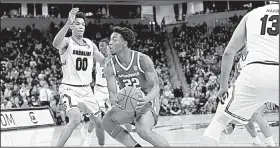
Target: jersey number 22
{"type": "Point", "coordinates": [132, 82]}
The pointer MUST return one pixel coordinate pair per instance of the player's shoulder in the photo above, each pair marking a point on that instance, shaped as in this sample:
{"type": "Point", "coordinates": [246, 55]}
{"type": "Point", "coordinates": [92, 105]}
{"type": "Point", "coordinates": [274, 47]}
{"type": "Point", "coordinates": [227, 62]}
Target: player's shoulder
{"type": "Point", "coordinates": [89, 41]}
{"type": "Point", "coordinates": [146, 63]}
{"type": "Point", "coordinates": [143, 57]}
{"type": "Point", "coordinates": [271, 8]}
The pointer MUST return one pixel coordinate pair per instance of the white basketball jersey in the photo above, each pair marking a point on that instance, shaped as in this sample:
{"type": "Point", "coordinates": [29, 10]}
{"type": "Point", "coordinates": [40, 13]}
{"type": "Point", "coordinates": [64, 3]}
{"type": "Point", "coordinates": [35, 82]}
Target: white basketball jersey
{"type": "Point", "coordinates": [100, 78]}
{"type": "Point", "coordinates": [77, 63]}
{"type": "Point", "coordinates": [263, 34]}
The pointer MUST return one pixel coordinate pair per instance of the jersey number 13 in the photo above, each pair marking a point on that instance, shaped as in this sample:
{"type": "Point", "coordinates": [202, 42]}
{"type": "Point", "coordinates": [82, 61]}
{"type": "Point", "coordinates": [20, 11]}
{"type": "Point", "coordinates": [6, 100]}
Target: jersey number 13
{"type": "Point", "coordinates": [274, 29]}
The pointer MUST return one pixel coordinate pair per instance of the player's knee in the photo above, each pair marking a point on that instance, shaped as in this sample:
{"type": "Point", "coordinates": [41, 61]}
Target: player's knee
{"type": "Point", "coordinates": [74, 116]}
{"type": "Point", "coordinates": [112, 127]}
{"type": "Point", "coordinates": [143, 132]}
{"type": "Point", "coordinates": [217, 125]}
{"type": "Point", "coordinates": [107, 122]}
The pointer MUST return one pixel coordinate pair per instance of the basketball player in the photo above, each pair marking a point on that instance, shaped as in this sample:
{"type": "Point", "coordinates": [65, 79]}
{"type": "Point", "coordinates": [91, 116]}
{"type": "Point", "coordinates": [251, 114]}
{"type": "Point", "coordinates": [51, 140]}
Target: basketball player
{"type": "Point", "coordinates": [77, 54]}
{"type": "Point", "coordinates": [258, 80]}
{"type": "Point", "coordinates": [132, 68]}
{"type": "Point", "coordinates": [258, 116]}
{"type": "Point", "coordinates": [100, 89]}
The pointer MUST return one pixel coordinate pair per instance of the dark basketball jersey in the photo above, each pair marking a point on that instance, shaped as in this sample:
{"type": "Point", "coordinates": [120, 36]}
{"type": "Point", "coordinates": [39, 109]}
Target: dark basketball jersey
{"type": "Point", "coordinates": [132, 75]}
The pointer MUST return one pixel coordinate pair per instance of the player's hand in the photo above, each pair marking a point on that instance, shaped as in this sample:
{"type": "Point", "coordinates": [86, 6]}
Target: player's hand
{"type": "Point", "coordinates": [141, 102]}
{"type": "Point", "coordinates": [72, 14]}
{"type": "Point", "coordinates": [223, 94]}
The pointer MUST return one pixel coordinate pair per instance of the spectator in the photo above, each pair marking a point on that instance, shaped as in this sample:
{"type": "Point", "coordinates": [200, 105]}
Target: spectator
{"type": "Point", "coordinates": [164, 107]}
{"type": "Point", "coordinates": [34, 102]}
{"type": "Point", "coordinates": [45, 95]}
{"type": "Point", "coordinates": [186, 103]}
{"type": "Point", "coordinates": [175, 109]}
{"type": "Point", "coordinates": [7, 104]}
{"type": "Point", "coordinates": [25, 104]}
{"type": "Point", "coordinates": [178, 92]}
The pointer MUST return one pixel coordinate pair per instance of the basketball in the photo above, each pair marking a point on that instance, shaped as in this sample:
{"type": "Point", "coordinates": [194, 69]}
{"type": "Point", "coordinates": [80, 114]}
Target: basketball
{"type": "Point", "coordinates": [128, 97]}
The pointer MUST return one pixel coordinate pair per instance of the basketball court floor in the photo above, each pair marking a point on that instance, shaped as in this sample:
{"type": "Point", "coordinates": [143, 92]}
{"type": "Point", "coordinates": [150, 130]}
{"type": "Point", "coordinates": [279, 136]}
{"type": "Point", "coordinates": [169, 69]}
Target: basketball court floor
{"type": "Point", "coordinates": [178, 130]}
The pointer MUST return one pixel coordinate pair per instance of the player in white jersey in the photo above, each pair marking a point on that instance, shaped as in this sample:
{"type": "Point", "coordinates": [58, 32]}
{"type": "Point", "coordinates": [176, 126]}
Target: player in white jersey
{"type": "Point", "coordinates": [257, 83]}
{"type": "Point", "coordinates": [77, 56]}
{"type": "Point", "coordinates": [257, 117]}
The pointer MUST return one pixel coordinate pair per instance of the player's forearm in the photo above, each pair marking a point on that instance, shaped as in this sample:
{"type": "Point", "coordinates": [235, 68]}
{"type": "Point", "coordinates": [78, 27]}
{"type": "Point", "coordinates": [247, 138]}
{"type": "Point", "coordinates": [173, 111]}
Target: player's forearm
{"type": "Point", "coordinates": [227, 62]}
{"type": "Point", "coordinates": [113, 97]}
{"type": "Point", "coordinates": [61, 34]}
{"type": "Point", "coordinates": [113, 93]}
{"type": "Point", "coordinates": [153, 93]}
{"type": "Point", "coordinates": [99, 57]}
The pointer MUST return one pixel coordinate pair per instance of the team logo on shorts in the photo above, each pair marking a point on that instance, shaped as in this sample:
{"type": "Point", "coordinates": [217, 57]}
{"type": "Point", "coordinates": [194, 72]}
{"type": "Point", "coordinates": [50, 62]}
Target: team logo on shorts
{"type": "Point", "coordinates": [135, 68]}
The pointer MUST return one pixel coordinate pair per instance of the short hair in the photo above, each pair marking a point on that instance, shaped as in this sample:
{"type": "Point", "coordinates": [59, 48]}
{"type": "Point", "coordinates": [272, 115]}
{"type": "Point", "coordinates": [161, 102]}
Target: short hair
{"type": "Point", "coordinates": [81, 15]}
{"type": "Point", "coordinates": [105, 40]}
{"type": "Point", "coordinates": [127, 35]}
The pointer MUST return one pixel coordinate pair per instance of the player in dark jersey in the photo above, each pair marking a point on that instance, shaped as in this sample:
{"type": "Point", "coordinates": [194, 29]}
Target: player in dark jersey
{"type": "Point", "coordinates": [132, 68]}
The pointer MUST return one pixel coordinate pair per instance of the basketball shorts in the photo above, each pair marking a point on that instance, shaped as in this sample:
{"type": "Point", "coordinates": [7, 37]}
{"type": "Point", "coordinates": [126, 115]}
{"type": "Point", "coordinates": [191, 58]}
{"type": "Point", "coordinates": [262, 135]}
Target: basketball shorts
{"type": "Point", "coordinates": [102, 96]}
{"type": "Point", "coordinates": [256, 85]}
{"type": "Point", "coordinates": [123, 117]}
{"type": "Point", "coordinates": [80, 97]}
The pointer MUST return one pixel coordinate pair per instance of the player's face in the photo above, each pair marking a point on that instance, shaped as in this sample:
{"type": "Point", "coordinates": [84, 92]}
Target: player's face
{"type": "Point", "coordinates": [78, 27]}
{"type": "Point", "coordinates": [116, 43]}
{"type": "Point", "coordinates": [104, 48]}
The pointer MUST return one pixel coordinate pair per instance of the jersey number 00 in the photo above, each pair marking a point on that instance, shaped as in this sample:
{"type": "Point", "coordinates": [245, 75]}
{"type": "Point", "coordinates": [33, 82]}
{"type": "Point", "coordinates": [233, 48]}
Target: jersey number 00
{"type": "Point", "coordinates": [81, 64]}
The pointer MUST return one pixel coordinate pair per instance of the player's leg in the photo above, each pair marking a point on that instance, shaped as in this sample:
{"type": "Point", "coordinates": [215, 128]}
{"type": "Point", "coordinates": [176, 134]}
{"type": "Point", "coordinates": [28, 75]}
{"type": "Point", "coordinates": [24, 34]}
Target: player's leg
{"type": "Point", "coordinates": [146, 119]}
{"type": "Point", "coordinates": [99, 131]}
{"type": "Point", "coordinates": [264, 125]}
{"type": "Point", "coordinates": [128, 127]}
{"type": "Point", "coordinates": [90, 105]}
{"type": "Point", "coordinates": [250, 127]}
{"type": "Point", "coordinates": [212, 133]}
{"type": "Point", "coordinates": [240, 107]}
{"type": "Point", "coordinates": [89, 134]}
{"type": "Point", "coordinates": [112, 122]}
{"type": "Point", "coordinates": [74, 115]}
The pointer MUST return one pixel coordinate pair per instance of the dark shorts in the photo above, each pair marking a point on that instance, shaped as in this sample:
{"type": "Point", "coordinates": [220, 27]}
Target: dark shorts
{"type": "Point", "coordinates": [123, 117]}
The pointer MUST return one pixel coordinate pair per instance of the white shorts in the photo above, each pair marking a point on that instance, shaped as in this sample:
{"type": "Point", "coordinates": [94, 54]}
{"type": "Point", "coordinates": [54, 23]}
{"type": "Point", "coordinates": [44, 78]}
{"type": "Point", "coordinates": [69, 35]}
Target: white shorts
{"type": "Point", "coordinates": [256, 85]}
{"type": "Point", "coordinates": [81, 97]}
{"type": "Point", "coordinates": [102, 96]}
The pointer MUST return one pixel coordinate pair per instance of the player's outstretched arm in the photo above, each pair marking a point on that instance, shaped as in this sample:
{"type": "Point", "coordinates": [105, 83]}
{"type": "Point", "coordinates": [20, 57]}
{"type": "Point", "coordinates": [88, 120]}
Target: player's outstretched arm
{"type": "Point", "coordinates": [236, 42]}
{"type": "Point", "coordinates": [98, 55]}
{"type": "Point", "coordinates": [60, 41]}
{"type": "Point", "coordinates": [147, 66]}
{"type": "Point", "coordinates": [111, 82]}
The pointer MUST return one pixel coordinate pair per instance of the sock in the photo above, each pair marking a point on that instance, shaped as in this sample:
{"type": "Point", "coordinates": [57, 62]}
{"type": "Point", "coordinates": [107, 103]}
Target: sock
{"type": "Point", "coordinates": [270, 141]}
{"type": "Point", "coordinates": [137, 145]}
{"type": "Point", "coordinates": [257, 140]}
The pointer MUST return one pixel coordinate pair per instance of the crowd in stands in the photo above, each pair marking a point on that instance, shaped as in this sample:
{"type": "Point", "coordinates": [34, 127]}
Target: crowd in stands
{"type": "Point", "coordinates": [31, 72]}
{"type": "Point", "coordinates": [200, 55]}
